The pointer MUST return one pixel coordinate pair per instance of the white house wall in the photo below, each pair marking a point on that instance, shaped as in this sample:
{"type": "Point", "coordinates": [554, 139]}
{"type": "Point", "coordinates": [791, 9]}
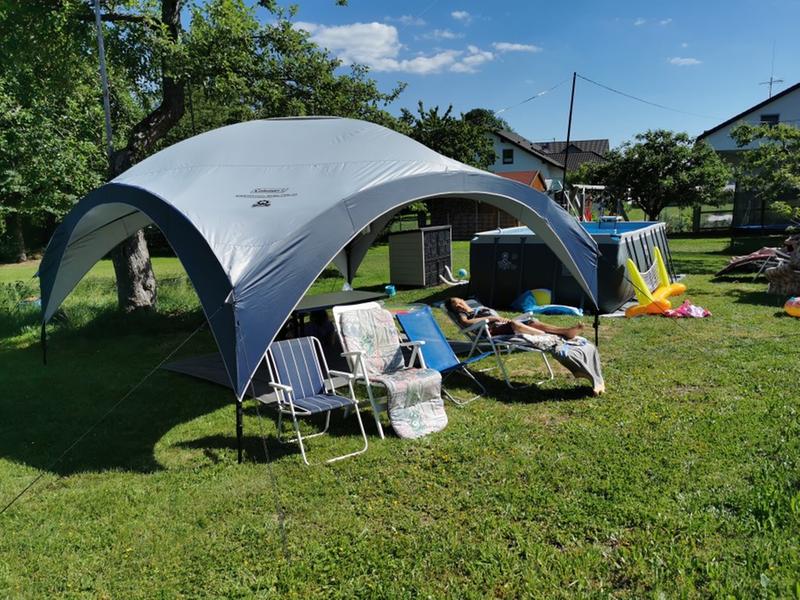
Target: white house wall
{"type": "Point", "coordinates": [786, 107]}
{"type": "Point", "coordinates": [523, 161]}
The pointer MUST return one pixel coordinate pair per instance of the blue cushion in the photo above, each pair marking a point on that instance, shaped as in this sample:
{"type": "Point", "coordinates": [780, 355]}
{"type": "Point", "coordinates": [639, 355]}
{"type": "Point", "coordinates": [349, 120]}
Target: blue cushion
{"type": "Point", "coordinates": [321, 403]}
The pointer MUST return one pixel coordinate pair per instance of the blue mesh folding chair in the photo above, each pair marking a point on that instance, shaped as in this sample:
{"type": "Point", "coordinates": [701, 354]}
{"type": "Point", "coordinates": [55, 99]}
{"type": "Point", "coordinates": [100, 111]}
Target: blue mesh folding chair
{"type": "Point", "coordinates": [421, 326]}
{"type": "Point", "coordinates": [302, 389]}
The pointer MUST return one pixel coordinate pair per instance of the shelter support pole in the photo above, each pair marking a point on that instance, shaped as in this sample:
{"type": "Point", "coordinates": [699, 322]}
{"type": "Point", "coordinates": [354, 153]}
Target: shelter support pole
{"type": "Point", "coordinates": [347, 254]}
{"type": "Point", "coordinates": [44, 343]}
{"type": "Point", "coordinates": [239, 429]}
{"type": "Point", "coordinates": [597, 328]}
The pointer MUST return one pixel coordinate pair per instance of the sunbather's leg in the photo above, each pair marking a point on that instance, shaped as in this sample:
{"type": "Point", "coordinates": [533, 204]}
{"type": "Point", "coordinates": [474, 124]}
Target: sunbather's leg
{"type": "Point", "coordinates": [537, 327]}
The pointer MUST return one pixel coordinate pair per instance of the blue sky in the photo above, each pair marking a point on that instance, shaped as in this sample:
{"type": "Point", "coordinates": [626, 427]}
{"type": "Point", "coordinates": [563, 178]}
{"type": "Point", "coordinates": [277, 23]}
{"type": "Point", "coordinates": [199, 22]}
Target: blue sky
{"type": "Point", "coordinates": [705, 57]}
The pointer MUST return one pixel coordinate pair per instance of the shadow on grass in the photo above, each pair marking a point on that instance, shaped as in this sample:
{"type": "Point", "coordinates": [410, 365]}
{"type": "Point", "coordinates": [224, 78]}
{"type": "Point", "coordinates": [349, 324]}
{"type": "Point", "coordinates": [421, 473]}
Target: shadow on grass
{"type": "Point", "coordinates": [45, 409]}
{"type": "Point", "coordinates": [739, 246]}
{"type": "Point", "coordinates": [214, 446]}
{"type": "Point", "coordinates": [697, 266]}
{"type": "Point", "coordinates": [741, 277]}
{"type": "Point", "coordinates": [758, 298]}
{"type": "Point", "coordinates": [534, 394]}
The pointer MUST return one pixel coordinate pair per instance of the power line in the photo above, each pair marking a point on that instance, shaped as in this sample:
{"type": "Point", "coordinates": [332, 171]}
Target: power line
{"type": "Point", "coordinates": [542, 93]}
{"type": "Point", "coordinates": [648, 102]}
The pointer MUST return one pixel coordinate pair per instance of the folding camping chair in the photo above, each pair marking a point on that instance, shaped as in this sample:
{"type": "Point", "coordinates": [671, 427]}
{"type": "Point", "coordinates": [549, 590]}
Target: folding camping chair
{"type": "Point", "coordinates": [297, 377]}
{"type": "Point", "coordinates": [420, 325]}
{"type": "Point", "coordinates": [479, 337]}
{"type": "Point", "coordinates": [357, 360]}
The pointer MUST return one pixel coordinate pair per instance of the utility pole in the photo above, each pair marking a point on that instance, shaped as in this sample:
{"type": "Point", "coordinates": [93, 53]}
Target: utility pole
{"type": "Point", "coordinates": [569, 133]}
{"type": "Point", "coordinates": [101, 48]}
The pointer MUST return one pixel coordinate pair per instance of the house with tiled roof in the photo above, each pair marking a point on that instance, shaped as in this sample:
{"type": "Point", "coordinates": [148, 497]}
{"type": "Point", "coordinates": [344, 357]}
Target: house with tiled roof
{"type": "Point", "coordinates": [749, 209]}
{"type": "Point", "coordinates": [598, 146]}
{"type": "Point", "coordinates": [783, 107]}
{"type": "Point", "coordinates": [515, 153]}
{"type": "Point", "coordinates": [532, 179]}
{"type": "Point", "coordinates": [515, 158]}
{"type": "Point", "coordinates": [539, 165]}
{"type": "Point", "coordinates": [580, 151]}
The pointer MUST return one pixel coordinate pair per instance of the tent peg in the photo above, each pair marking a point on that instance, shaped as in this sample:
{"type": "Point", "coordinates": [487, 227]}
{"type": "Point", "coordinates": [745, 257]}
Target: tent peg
{"type": "Point", "coordinates": [44, 343]}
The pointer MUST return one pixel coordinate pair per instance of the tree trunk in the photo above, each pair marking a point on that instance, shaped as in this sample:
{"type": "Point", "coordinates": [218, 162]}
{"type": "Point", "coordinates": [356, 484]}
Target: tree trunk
{"type": "Point", "coordinates": [136, 283]}
{"type": "Point", "coordinates": [21, 254]}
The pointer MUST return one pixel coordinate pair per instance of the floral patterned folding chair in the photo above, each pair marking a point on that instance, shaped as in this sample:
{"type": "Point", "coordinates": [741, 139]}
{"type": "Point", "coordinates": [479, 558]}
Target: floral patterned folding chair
{"type": "Point", "coordinates": [373, 349]}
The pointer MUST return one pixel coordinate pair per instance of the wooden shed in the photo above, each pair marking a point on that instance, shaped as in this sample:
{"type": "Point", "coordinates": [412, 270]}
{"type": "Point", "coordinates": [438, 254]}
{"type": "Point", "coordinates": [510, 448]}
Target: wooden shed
{"type": "Point", "coordinates": [468, 217]}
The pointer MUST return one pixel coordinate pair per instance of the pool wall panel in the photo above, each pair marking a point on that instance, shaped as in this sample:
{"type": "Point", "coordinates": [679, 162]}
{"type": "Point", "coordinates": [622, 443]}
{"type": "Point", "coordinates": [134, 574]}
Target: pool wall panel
{"type": "Point", "coordinates": [506, 262]}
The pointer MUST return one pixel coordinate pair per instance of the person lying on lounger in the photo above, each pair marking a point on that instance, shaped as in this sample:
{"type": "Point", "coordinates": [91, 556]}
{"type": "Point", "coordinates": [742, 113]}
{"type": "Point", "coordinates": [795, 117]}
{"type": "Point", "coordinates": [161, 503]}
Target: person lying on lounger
{"type": "Point", "coordinates": [500, 326]}
{"type": "Point", "coordinates": [577, 354]}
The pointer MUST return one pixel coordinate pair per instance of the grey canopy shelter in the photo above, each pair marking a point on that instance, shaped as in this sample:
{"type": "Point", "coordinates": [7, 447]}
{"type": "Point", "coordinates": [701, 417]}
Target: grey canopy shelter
{"type": "Point", "coordinates": [255, 211]}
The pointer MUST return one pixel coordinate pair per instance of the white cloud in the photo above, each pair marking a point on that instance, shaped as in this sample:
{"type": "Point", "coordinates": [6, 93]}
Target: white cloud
{"type": "Point", "coordinates": [684, 45]}
{"type": "Point", "coordinates": [640, 21]}
{"type": "Point", "coordinates": [373, 44]}
{"type": "Point", "coordinates": [425, 65]}
{"type": "Point", "coordinates": [665, 21]}
{"type": "Point", "coordinates": [442, 34]}
{"type": "Point", "coordinates": [683, 62]}
{"type": "Point", "coordinates": [407, 20]}
{"type": "Point", "coordinates": [475, 58]}
{"type": "Point", "coordinates": [510, 47]}
{"type": "Point", "coordinates": [378, 46]}
{"type": "Point", "coordinates": [461, 15]}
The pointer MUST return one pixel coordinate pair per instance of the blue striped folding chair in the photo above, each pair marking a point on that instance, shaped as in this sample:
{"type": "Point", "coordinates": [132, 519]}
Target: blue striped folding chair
{"type": "Point", "coordinates": [419, 325]}
{"type": "Point", "coordinates": [304, 389]}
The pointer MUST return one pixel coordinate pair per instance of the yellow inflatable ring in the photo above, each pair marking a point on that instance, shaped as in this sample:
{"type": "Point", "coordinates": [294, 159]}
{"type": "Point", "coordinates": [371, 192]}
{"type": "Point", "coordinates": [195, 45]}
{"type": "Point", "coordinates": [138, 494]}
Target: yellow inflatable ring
{"type": "Point", "coordinates": [792, 306]}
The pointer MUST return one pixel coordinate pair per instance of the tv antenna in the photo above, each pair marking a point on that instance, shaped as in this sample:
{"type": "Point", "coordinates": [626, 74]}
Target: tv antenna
{"type": "Point", "coordinates": [771, 79]}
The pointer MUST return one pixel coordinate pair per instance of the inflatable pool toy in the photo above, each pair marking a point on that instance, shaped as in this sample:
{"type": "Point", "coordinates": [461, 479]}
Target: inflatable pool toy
{"type": "Point", "coordinates": [537, 302]}
{"type": "Point", "coordinates": [652, 296]}
{"type": "Point", "coordinates": [792, 306]}
{"type": "Point", "coordinates": [542, 296]}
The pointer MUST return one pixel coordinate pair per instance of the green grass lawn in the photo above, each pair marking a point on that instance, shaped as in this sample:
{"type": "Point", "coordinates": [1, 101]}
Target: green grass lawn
{"type": "Point", "coordinates": [683, 481]}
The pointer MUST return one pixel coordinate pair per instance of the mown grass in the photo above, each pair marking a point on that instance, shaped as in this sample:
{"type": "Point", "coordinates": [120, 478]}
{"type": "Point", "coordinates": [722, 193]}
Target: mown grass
{"type": "Point", "coordinates": [683, 481]}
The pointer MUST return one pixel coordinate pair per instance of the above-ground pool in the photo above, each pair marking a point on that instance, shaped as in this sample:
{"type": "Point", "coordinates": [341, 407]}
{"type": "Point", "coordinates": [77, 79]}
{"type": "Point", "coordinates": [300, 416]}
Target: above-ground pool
{"type": "Point", "coordinates": [506, 262]}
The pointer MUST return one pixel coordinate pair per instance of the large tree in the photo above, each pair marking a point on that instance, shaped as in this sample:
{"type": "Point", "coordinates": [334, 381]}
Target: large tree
{"type": "Point", "coordinates": [660, 168]}
{"type": "Point", "coordinates": [167, 84]}
{"type": "Point", "coordinates": [50, 118]}
{"type": "Point", "coordinates": [456, 137]}
{"type": "Point", "coordinates": [772, 169]}
{"type": "Point", "coordinates": [487, 119]}
{"type": "Point", "coordinates": [236, 69]}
